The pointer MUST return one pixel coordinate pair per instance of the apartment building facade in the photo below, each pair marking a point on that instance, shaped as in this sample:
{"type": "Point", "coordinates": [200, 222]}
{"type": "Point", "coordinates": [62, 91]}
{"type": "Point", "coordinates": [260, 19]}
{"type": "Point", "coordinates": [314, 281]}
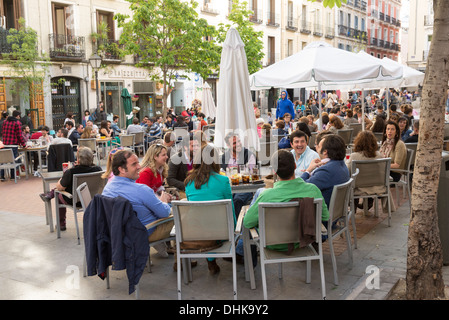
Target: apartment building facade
{"type": "Point", "coordinates": [384, 25]}
{"type": "Point", "coordinates": [67, 36]}
{"type": "Point", "coordinates": [352, 26]}
{"type": "Point", "coordinates": [420, 32]}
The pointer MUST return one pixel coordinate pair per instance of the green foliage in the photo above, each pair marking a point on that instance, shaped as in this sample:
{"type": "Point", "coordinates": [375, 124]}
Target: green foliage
{"type": "Point", "coordinates": [26, 67]}
{"type": "Point", "coordinates": [252, 39]}
{"type": "Point", "coordinates": [331, 3]}
{"type": "Point", "coordinates": [168, 37]}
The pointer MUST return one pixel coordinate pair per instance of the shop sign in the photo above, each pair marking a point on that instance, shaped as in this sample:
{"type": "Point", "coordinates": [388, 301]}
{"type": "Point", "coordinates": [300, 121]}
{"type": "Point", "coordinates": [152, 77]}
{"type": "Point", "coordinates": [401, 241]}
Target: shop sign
{"type": "Point", "coordinates": [125, 74]}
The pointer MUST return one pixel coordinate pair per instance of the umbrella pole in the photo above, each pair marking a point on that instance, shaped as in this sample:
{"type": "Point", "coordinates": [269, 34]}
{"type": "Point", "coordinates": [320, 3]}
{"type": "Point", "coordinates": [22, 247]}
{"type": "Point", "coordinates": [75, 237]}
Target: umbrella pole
{"type": "Point", "coordinates": [387, 96]}
{"type": "Point", "coordinates": [363, 110]}
{"type": "Point", "coordinates": [320, 106]}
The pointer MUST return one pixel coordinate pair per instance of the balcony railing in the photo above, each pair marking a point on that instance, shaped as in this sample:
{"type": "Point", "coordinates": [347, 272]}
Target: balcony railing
{"type": "Point", "coordinates": [329, 33]}
{"type": "Point", "coordinates": [342, 30]}
{"type": "Point", "coordinates": [256, 17]}
{"type": "Point", "coordinates": [317, 30]}
{"type": "Point", "coordinates": [109, 50]}
{"type": "Point", "coordinates": [373, 42]}
{"type": "Point", "coordinates": [66, 47]}
{"type": "Point", "coordinates": [272, 58]}
{"type": "Point", "coordinates": [381, 16]}
{"type": "Point", "coordinates": [292, 24]}
{"type": "Point", "coordinates": [5, 47]}
{"type": "Point", "coordinates": [273, 19]}
{"type": "Point", "coordinates": [209, 8]}
{"type": "Point", "coordinates": [387, 18]}
{"type": "Point", "coordinates": [306, 27]}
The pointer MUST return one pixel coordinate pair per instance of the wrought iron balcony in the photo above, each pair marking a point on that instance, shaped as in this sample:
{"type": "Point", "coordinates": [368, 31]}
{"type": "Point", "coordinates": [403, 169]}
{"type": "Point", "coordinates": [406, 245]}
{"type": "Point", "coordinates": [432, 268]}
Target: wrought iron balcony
{"type": "Point", "coordinates": [273, 19]}
{"type": "Point", "coordinates": [317, 30]}
{"type": "Point", "coordinates": [342, 30]}
{"type": "Point", "coordinates": [292, 24]}
{"type": "Point", "coordinates": [329, 33]}
{"type": "Point", "coordinates": [306, 27]}
{"type": "Point", "coordinates": [66, 47]}
{"type": "Point", "coordinates": [257, 16]}
{"type": "Point", "coordinates": [109, 50]}
{"type": "Point", "coordinates": [272, 58]}
{"type": "Point", "coordinates": [5, 47]}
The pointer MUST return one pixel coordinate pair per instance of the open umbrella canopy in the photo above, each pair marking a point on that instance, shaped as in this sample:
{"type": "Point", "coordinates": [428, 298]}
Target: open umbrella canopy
{"type": "Point", "coordinates": [321, 64]}
{"type": "Point", "coordinates": [235, 111]}
{"type": "Point", "coordinates": [411, 77]}
{"type": "Point", "coordinates": [208, 104]}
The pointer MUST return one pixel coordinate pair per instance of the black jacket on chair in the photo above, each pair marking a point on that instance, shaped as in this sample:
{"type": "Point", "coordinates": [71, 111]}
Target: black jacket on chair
{"type": "Point", "coordinates": [113, 235]}
{"type": "Point", "coordinates": [57, 154]}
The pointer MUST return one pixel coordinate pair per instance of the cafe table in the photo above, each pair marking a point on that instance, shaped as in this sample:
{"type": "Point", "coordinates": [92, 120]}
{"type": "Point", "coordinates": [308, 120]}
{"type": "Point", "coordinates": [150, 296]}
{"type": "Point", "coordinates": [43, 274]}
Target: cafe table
{"type": "Point", "coordinates": [103, 143]}
{"type": "Point", "coordinates": [47, 178]}
{"type": "Point", "coordinates": [28, 151]}
{"type": "Point", "coordinates": [247, 187]}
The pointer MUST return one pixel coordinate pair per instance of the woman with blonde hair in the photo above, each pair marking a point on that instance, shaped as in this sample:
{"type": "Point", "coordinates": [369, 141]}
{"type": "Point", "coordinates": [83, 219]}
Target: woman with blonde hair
{"type": "Point", "coordinates": [108, 172]}
{"type": "Point", "coordinates": [154, 168]}
{"type": "Point", "coordinates": [87, 133]}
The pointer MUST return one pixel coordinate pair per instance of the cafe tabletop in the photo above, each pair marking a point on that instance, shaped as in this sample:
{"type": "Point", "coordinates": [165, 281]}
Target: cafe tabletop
{"type": "Point", "coordinates": [247, 187]}
{"type": "Point", "coordinates": [33, 148]}
{"type": "Point", "coordinates": [105, 139]}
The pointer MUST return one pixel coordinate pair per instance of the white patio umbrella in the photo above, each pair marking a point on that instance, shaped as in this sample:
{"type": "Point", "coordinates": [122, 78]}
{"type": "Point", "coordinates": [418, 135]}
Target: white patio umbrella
{"type": "Point", "coordinates": [235, 111]}
{"type": "Point", "coordinates": [322, 66]}
{"type": "Point", "coordinates": [207, 102]}
{"type": "Point", "coordinates": [411, 77]}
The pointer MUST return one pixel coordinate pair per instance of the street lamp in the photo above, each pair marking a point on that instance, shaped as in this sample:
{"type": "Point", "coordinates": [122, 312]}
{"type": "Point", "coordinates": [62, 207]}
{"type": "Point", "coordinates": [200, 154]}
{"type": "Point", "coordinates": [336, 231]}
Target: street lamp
{"type": "Point", "coordinates": [95, 63]}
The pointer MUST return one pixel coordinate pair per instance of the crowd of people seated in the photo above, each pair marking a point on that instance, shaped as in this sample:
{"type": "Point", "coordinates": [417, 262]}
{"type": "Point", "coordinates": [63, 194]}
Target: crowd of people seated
{"type": "Point", "coordinates": [303, 170]}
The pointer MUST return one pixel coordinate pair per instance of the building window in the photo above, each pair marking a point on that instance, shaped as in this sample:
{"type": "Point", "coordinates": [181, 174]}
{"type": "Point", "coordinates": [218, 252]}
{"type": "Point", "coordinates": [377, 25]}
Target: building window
{"type": "Point", "coordinates": [62, 19]}
{"type": "Point", "coordinates": [106, 18]}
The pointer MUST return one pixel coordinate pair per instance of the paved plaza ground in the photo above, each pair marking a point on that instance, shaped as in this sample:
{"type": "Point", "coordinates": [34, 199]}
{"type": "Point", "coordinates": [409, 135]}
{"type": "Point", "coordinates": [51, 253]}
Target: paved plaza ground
{"type": "Point", "coordinates": [37, 265]}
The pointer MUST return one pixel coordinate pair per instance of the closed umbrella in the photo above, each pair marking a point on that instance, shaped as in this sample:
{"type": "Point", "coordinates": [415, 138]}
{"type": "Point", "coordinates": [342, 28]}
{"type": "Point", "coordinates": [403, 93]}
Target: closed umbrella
{"type": "Point", "coordinates": [208, 104]}
{"type": "Point", "coordinates": [234, 104]}
{"type": "Point", "coordinates": [127, 106]}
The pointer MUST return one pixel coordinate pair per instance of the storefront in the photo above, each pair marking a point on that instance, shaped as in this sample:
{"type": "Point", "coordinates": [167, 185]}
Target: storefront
{"type": "Point", "coordinates": [65, 98]}
{"type": "Point", "coordinates": [114, 78]}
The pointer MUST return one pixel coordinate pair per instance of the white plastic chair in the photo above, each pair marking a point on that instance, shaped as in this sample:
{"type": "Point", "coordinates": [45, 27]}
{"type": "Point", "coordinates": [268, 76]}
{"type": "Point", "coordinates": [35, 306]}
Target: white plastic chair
{"type": "Point", "coordinates": [339, 221]}
{"type": "Point", "coordinates": [372, 173]}
{"type": "Point", "coordinates": [204, 220]}
{"type": "Point", "coordinates": [96, 184]}
{"type": "Point", "coordinates": [279, 223]}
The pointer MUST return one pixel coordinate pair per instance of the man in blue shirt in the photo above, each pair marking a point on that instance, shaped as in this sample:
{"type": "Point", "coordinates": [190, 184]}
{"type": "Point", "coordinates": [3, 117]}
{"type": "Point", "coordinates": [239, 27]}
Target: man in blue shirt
{"type": "Point", "coordinates": [301, 151]}
{"type": "Point", "coordinates": [148, 207]}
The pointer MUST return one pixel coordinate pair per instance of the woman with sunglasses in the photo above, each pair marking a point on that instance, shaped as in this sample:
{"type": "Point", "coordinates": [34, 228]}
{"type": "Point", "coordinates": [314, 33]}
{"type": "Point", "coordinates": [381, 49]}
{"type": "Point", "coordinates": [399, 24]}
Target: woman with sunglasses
{"type": "Point", "coordinates": [108, 172]}
{"type": "Point", "coordinates": [154, 168]}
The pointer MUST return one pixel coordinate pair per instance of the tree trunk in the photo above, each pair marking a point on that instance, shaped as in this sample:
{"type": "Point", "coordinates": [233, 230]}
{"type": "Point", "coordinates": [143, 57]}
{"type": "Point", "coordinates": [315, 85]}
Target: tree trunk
{"type": "Point", "coordinates": [164, 95]}
{"type": "Point", "coordinates": [424, 257]}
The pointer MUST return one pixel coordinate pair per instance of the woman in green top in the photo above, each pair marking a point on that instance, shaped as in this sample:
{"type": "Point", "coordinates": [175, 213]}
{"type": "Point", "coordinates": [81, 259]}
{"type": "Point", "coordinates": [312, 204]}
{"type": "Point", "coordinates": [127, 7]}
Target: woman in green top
{"type": "Point", "coordinates": [204, 183]}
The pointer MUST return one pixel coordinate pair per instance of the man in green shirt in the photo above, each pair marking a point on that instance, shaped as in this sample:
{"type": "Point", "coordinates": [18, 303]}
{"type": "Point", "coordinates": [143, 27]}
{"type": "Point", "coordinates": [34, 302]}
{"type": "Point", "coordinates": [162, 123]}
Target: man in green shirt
{"type": "Point", "coordinates": [284, 190]}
